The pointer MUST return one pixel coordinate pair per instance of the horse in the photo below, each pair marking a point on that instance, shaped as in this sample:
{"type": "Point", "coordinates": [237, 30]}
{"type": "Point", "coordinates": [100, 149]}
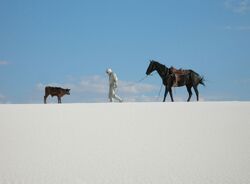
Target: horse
{"type": "Point", "coordinates": [55, 91]}
{"type": "Point", "coordinates": [172, 77]}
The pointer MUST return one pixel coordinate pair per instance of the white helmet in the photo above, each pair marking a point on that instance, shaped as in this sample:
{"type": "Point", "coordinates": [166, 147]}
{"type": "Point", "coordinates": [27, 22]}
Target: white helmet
{"type": "Point", "coordinates": [109, 71]}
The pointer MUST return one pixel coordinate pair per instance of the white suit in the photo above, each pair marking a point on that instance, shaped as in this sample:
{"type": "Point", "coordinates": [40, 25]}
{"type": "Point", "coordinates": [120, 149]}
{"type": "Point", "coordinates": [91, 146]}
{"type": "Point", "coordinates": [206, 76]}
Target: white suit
{"type": "Point", "coordinates": [112, 86]}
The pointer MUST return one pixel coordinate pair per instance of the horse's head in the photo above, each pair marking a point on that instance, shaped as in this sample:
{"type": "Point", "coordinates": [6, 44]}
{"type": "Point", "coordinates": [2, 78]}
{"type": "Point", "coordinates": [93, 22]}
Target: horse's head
{"type": "Point", "coordinates": [67, 91]}
{"type": "Point", "coordinates": [151, 67]}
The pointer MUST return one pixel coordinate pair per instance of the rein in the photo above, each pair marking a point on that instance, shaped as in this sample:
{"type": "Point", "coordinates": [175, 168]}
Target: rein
{"type": "Point", "coordinates": [159, 93]}
{"type": "Point", "coordinates": [139, 81]}
{"type": "Point", "coordinates": [142, 79]}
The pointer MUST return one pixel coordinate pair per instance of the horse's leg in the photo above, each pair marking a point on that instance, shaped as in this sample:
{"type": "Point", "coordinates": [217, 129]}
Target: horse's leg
{"type": "Point", "coordinates": [45, 97]}
{"type": "Point", "coordinates": [196, 92]}
{"type": "Point", "coordinates": [189, 92]}
{"type": "Point", "coordinates": [171, 94]}
{"type": "Point", "coordinates": [165, 94]}
{"type": "Point", "coordinates": [59, 99]}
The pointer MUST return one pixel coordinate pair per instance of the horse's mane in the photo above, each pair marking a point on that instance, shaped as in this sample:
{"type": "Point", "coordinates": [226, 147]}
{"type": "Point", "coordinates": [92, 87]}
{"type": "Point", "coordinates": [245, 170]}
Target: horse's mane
{"type": "Point", "coordinates": [158, 63]}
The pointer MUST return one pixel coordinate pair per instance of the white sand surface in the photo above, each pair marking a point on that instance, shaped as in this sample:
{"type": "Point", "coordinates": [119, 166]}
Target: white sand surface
{"type": "Point", "coordinates": [127, 143]}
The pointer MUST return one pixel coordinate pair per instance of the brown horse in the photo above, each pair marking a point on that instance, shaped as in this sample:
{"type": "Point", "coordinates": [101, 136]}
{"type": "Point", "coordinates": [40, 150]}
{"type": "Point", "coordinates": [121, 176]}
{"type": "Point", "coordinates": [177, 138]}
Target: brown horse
{"type": "Point", "coordinates": [55, 91]}
{"type": "Point", "coordinates": [171, 77]}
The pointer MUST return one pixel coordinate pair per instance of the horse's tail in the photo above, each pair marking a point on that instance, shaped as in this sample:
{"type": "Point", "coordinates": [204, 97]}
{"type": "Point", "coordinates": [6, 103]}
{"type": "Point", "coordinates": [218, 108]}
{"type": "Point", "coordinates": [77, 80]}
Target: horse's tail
{"type": "Point", "coordinates": [200, 78]}
{"type": "Point", "coordinates": [202, 81]}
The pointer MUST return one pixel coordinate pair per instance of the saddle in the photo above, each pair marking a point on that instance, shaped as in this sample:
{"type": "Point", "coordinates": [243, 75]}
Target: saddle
{"type": "Point", "coordinates": [180, 76]}
{"type": "Point", "coordinates": [178, 71]}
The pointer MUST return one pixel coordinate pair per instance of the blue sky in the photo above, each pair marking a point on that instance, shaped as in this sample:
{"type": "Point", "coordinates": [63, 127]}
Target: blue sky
{"type": "Point", "coordinates": [71, 43]}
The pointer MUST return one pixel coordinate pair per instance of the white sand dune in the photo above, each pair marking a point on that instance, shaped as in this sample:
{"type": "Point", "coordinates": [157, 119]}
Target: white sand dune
{"type": "Point", "coordinates": [127, 143]}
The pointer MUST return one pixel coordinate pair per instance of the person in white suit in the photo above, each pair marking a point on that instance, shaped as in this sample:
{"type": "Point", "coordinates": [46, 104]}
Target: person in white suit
{"type": "Point", "coordinates": [112, 86]}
